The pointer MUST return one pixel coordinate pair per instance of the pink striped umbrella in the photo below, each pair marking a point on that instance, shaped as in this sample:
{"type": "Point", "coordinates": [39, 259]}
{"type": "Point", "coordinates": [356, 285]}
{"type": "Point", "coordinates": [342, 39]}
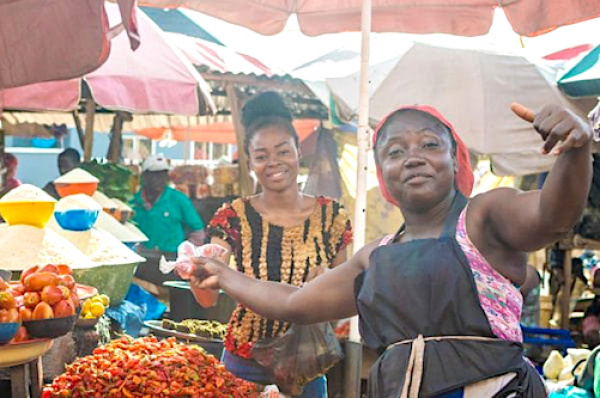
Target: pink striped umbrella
{"type": "Point", "coordinates": [42, 40]}
{"type": "Point", "coordinates": [457, 17]}
{"type": "Point", "coordinates": [156, 78]}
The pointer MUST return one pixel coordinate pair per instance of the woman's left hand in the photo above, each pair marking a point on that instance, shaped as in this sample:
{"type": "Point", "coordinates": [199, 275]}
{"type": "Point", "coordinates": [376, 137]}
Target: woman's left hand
{"type": "Point", "coordinates": [557, 124]}
{"type": "Point", "coordinates": [207, 273]}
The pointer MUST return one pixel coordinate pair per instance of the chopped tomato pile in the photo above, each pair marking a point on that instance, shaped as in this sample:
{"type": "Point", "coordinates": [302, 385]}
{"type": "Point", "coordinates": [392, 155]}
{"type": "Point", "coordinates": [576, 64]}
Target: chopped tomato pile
{"type": "Point", "coordinates": [145, 368]}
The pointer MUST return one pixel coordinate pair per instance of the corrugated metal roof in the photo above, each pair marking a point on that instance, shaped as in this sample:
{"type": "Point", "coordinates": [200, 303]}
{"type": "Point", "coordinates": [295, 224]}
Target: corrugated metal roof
{"type": "Point", "coordinates": [177, 22]}
{"type": "Point", "coordinates": [209, 56]}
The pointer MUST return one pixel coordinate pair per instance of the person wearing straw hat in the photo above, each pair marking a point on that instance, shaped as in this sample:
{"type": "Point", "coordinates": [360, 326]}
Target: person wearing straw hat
{"type": "Point", "coordinates": [439, 299]}
{"type": "Point", "coordinates": [163, 213]}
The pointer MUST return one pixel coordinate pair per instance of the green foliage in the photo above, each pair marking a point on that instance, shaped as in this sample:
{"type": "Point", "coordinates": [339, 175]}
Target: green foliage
{"type": "Point", "coordinates": [115, 180]}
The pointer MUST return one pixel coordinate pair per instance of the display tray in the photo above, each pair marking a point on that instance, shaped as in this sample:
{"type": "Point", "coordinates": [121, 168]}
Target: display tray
{"type": "Point", "coordinates": [15, 354]}
{"type": "Point", "coordinates": [156, 328]}
{"type": "Point", "coordinates": [83, 291]}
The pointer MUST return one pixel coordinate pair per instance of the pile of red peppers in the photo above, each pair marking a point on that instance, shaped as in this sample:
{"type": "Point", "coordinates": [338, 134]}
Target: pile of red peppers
{"type": "Point", "coordinates": [148, 368]}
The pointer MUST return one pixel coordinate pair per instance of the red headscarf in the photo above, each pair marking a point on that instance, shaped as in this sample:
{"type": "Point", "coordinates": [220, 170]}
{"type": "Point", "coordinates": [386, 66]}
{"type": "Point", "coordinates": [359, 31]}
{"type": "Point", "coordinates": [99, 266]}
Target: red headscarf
{"type": "Point", "coordinates": [464, 176]}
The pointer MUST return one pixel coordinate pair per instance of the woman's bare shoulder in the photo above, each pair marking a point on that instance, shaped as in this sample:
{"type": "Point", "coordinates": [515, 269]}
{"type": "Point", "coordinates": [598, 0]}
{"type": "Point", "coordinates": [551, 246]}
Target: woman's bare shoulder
{"type": "Point", "coordinates": [362, 256]}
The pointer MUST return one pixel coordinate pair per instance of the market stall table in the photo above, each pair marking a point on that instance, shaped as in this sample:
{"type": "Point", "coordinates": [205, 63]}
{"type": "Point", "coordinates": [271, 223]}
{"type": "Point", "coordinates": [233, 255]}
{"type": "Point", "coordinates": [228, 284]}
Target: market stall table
{"type": "Point", "coordinates": [24, 362]}
{"type": "Point", "coordinates": [568, 245]}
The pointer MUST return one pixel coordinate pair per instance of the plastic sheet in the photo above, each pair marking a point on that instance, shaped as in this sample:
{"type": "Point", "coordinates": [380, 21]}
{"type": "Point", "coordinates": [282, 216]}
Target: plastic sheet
{"type": "Point", "coordinates": [152, 308]}
{"type": "Point", "coordinates": [129, 316]}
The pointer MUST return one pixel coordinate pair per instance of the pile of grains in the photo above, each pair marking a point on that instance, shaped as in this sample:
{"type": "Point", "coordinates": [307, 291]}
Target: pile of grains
{"type": "Point", "coordinates": [120, 231]}
{"type": "Point", "coordinates": [136, 233]}
{"type": "Point", "coordinates": [101, 247]}
{"type": "Point", "coordinates": [77, 202]}
{"type": "Point", "coordinates": [27, 193]}
{"type": "Point", "coordinates": [76, 176]}
{"type": "Point", "coordinates": [122, 206]}
{"type": "Point", "coordinates": [23, 246]}
{"type": "Point", "coordinates": [104, 201]}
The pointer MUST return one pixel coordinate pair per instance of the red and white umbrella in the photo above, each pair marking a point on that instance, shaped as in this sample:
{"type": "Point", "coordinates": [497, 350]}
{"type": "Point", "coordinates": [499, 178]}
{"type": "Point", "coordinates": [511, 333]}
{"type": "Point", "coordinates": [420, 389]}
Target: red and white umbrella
{"type": "Point", "coordinates": [156, 78]}
{"type": "Point", "coordinates": [43, 40]}
{"type": "Point", "coordinates": [457, 17]}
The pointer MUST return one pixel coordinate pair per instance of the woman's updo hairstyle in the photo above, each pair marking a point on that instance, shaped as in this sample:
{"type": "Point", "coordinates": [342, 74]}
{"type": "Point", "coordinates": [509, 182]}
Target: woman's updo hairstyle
{"type": "Point", "coordinates": [264, 110]}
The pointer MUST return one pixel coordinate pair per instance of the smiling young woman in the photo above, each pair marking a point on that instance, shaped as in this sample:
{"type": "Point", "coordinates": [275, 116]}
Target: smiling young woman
{"type": "Point", "coordinates": [280, 235]}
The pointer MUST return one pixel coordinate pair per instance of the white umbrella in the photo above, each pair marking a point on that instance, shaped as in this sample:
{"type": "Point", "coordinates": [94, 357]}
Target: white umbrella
{"type": "Point", "coordinates": [473, 88]}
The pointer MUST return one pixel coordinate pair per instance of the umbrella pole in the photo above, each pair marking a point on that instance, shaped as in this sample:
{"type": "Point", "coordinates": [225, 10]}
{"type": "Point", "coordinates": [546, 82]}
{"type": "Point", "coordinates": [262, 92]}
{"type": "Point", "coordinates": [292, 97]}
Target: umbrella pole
{"type": "Point", "coordinates": [78, 127]}
{"type": "Point", "coordinates": [116, 138]}
{"type": "Point", "coordinates": [236, 111]}
{"type": "Point", "coordinates": [354, 346]}
{"type": "Point", "coordinates": [186, 156]}
{"type": "Point", "coordinates": [90, 111]}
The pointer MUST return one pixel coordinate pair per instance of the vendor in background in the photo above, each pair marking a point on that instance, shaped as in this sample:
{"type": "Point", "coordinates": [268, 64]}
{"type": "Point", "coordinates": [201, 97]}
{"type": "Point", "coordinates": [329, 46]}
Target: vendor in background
{"type": "Point", "coordinates": [161, 212]}
{"type": "Point", "coordinates": [530, 290]}
{"type": "Point", "coordinates": [590, 327]}
{"type": "Point", "coordinates": [68, 160]}
{"type": "Point", "coordinates": [280, 235]}
{"type": "Point", "coordinates": [10, 162]}
{"type": "Point", "coordinates": [530, 313]}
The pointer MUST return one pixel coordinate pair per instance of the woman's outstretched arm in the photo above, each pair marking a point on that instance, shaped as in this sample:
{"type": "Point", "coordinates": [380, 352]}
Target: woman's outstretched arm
{"type": "Point", "coordinates": [328, 297]}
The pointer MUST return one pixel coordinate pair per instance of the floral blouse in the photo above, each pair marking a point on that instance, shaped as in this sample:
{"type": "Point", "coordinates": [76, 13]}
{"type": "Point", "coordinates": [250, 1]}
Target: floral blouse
{"type": "Point", "coordinates": [271, 252]}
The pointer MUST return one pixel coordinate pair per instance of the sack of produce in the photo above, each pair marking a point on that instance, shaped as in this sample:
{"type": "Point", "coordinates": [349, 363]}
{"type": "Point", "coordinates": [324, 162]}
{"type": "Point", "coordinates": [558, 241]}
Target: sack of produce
{"type": "Point", "coordinates": [302, 354]}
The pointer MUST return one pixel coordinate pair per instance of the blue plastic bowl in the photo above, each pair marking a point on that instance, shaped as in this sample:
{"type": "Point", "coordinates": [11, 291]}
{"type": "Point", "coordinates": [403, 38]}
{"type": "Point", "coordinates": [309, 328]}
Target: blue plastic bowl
{"type": "Point", "coordinates": [76, 220]}
{"type": "Point", "coordinates": [43, 142]}
{"type": "Point", "coordinates": [7, 331]}
{"type": "Point", "coordinates": [131, 245]}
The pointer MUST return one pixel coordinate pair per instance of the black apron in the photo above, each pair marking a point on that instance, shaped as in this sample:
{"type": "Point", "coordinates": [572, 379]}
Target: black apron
{"type": "Point", "coordinates": [426, 287]}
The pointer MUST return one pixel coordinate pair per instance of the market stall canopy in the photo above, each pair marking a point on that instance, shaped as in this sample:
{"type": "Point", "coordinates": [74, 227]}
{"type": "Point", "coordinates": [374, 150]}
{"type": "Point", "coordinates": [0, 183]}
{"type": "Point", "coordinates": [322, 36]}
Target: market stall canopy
{"type": "Point", "coordinates": [56, 39]}
{"type": "Point", "coordinates": [15, 122]}
{"type": "Point", "coordinates": [470, 18]}
{"type": "Point", "coordinates": [209, 56]}
{"type": "Point", "coordinates": [155, 78]}
{"type": "Point", "coordinates": [218, 133]}
{"type": "Point", "coordinates": [473, 89]}
{"type": "Point", "coordinates": [223, 67]}
{"type": "Point", "coordinates": [583, 79]}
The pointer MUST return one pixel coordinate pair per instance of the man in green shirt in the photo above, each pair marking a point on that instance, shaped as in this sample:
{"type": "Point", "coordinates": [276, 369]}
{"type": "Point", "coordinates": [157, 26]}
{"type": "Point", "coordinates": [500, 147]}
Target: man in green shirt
{"type": "Point", "coordinates": [161, 212]}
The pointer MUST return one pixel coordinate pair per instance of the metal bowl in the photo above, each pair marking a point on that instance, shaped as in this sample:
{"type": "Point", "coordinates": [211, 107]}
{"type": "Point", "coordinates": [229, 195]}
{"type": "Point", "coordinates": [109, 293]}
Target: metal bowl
{"type": "Point", "coordinates": [50, 328]}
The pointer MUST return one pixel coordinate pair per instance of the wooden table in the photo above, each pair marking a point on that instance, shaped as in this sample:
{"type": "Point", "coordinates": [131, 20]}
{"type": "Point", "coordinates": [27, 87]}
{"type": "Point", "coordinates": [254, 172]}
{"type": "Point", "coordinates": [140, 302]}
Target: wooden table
{"type": "Point", "coordinates": [27, 380]}
{"type": "Point", "coordinates": [568, 245]}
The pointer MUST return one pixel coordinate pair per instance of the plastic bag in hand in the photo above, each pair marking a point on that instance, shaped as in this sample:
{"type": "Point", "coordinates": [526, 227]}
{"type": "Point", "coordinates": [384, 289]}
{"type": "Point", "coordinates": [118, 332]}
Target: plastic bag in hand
{"type": "Point", "coordinates": [185, 254]}
{"type": "Point", "coordinates": [302, 354]}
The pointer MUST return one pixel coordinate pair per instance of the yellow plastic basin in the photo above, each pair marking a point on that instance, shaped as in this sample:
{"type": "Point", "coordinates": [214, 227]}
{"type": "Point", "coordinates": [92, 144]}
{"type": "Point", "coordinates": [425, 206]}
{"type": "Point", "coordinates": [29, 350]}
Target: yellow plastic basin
{"type": "Point", "coordinates": [36, 214]}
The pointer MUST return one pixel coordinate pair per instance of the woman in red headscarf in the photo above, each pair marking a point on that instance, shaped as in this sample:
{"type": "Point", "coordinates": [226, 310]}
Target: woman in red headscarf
{"type": "Point", "coordinates": [438, 299]}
